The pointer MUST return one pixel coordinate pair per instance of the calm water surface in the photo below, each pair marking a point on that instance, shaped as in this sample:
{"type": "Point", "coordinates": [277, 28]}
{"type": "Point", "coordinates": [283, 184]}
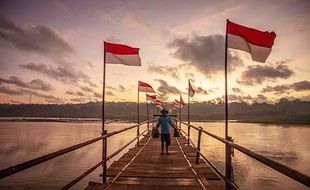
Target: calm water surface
{"type": "Point", "coordinates": [20, 141]}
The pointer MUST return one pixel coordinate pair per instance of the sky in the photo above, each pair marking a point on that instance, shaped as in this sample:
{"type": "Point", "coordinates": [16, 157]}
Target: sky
{"type": "Point", "coordinates": [52, 51]}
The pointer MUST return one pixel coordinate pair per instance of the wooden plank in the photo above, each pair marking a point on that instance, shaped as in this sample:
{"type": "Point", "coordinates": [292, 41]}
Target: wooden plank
{"type": "Point", "coordinates": [125, 183]}
{"type": "Point", "coordinates": [151, 170]}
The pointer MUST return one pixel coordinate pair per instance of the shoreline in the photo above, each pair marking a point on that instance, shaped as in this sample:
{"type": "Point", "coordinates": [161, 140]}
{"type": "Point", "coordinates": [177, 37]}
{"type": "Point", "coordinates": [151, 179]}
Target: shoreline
{"type": "Point", "coordinates": [94, 120]}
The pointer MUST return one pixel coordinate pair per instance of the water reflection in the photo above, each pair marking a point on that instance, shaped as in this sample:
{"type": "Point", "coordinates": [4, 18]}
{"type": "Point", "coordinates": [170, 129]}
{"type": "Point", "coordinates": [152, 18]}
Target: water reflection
{"type": "Point", "coordinates": [20, 141]}
{"type": "Point", "coordinates": [287, 144]}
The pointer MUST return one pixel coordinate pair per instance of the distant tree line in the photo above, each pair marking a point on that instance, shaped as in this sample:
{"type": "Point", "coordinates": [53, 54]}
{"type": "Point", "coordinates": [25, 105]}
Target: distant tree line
{"type": "Point", "coordinates": [284, 111]}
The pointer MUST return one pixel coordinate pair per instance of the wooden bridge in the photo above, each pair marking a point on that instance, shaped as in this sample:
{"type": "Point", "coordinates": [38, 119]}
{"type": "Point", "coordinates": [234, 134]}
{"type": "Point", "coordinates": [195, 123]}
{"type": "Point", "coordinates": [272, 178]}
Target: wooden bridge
{"type": "Point", "coordinates": [144, 167]}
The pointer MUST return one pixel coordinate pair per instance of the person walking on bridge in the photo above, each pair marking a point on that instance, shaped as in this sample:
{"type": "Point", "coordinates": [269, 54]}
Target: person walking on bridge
{"type": "Point", "coordinates": [165, 122]}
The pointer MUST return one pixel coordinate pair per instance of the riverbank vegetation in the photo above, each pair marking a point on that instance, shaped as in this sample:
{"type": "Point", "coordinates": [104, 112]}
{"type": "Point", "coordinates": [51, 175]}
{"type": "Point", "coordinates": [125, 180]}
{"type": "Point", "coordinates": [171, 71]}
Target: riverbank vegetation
{"type": "Point", "coordinates": [284, 111]}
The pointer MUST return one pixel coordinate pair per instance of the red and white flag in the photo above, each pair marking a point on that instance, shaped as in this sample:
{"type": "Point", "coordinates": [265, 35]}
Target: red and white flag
{"type": "Point", "coordinates": [182, 101]}
{"type": "Point", "coordinates": [253, 41]}
{"type": "Point", "coordinates": [144, 87]}
{"type": "Point", "coordinates": [191, 91]}
{"type": "Point", "coordinates": [179, 103]}
{"type": "Point", "coordinates": [151, 98]}
{"type": "Point", "coordinates": [160, 107]}
{"type": "Point", "coordinates": [121, 54]}
{"type": "Point", "coordinates": [175, 104]}
{"type": "Point", "coordinates": [157, 102]}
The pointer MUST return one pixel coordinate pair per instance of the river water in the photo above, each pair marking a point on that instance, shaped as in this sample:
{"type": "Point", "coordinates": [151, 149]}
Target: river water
{"type": "Point", "coordinates": [21, 141]}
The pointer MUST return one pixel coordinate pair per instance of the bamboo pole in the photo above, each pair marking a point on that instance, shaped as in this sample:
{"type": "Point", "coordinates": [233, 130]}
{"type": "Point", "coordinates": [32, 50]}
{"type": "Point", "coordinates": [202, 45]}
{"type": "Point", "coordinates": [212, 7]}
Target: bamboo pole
{"type": "Point", "coordinates": [147, 116]}
{"type": "Point", "coordinates": [138, 116]}
{"type": "Point", "coordinates": [180, 111]}
{"type": "Point", "coordinates": [228, 162]}
{"type": "Point", "coordinates": [103, 116]}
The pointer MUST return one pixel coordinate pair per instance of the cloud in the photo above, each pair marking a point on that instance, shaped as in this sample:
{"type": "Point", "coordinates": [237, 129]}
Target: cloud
{"type": "Point", "coordinates": [77, 93]}
{"type": "Point", "coordinates": [278, 89]}
{"type": "Point", "coordinates": [9, 91]}
{"type": "Point", "coordinates": [165, 70]}
{"type": "Point", "coordinates": [165, 88]}
{"type": "Point", "coordinates": [86, 89]}
{"type": "Point", "coordinates": [134, 19]}
{"type": "Point", "coordinates": [46, 97]}
{"type": "Point", "coordinates": [38, 39]}
{"type": "Point", "coordinates": [122, 88]}
{"type": "Point", "coordinates": [200, 90]}
{"type": "Point", "coordinates": [80, 100]}
{"type": "Point", "coordinates": [237, 90]}
{"type": "Point", "coordinates": [239, 98]}
{"type": "Point", "coordinates": [286, 88]}
{"type": "Point", "coordinates": [25, 91]}
{"type": "Point", "coordinates": [62, 73]}
{"type": "Point", "coordinates": [125, 17]}
{"type": "Point", "coordinates": [36, 84]}
{"type": "Point", "coordinates": [109, 93]}
{"type": "Point", "coordinates": [97, 95]}
{"type": "Point", "coordinates": [261, 98]}
{"type": "Point", "coordinates": [301, 86]}
{"type": "Point", "coordinates": [258, 74]}
{"type": "Point", "coordinates": [111, 88]}
{"type": "Point", "coordinates": [305, 98]}
{"type": "Point", "coordinates": [87, 80]}
{"type": "Point", "coordinates": [40, 85]}
{"type": "Point", "coordinates": [14, 80]}
{"type": "Point", "coordinates": [243, 98]}
{"type": "Point", "coordinates": [206, 53]}
{"type": "Point", "coordinates": [112, 39]}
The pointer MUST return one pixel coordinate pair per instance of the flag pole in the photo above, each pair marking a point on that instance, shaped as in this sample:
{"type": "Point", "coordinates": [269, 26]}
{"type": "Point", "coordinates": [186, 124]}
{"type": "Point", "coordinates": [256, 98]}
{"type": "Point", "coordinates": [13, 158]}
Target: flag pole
{"type": "Point", "coordinates": [188, 102]}
{"type": "Point", "coordinates": [103, 88]}
{"type": "Point", "coordinates": [103, 132]}
{"type": "Point", "coordinates": [147, 116]}
{"type": "Point", "coordinates": [188, 119]}
{"type": "Point", "coordinates": [226, 98]}
{"type": "Point", "coordinates": [154, 110]}
{"type": "Point", "coordinates": [138, 111]}
{"type": "Point", "coordinates": [180, 111]}
{"type": "Point", "coordinates": [138, 118]}
{"type": "Point", "coordinates": [228, 159]}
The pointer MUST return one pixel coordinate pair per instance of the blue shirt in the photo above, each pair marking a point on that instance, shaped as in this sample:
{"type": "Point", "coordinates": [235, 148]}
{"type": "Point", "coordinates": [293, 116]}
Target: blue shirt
{"type": "Point", "coordinates": [164, 124]}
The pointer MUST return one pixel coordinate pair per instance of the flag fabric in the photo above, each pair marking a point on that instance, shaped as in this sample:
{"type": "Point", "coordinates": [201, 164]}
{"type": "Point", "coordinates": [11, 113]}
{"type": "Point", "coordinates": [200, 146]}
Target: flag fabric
{"type": "Point", "coordinates": [160, 107]}
{"type": "Point", "coordinates": [151, 98]}
{"type": "Point", "coordinates": [191, 91]}
{"type": "Point", "coordinates": [121, 54]}
{"type": "Point", "coordinates": [175, 105]}
{"type": "Point", "coordinates": [253, 41]}
{"type": "Point", "coordinates": [144, 87]}
{"type": "Point", "coordinates": [178, 103]}
{"type": "Point", "coordinates": [182, 101]}
{"type": "Point", "coordinates": [157, 102]}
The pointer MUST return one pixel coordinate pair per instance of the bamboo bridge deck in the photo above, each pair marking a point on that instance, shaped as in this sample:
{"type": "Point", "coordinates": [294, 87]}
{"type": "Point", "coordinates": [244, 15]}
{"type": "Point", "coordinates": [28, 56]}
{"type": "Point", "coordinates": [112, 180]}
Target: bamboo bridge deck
{"type": "Point", "coordinates": [150, 170]}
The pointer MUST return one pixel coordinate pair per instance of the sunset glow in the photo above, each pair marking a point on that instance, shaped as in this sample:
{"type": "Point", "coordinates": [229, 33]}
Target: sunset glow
{"type": "Point", "coordinates": [53, 50]}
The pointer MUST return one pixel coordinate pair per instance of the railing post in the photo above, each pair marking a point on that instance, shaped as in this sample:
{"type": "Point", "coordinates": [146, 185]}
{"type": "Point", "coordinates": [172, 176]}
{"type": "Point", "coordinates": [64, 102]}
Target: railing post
{"type": "Point", "coordinates": [138, 133]}
{"type": "Point", "coordinates": [198, 145]}
{"type": "Point", "coordinates": [104, 158]}
{"type": "Point", "coordinates": [228, 163]}
{"type": "Point", "coordinates": [188, 134]}
{"type": "Point", "coordinates": [148, 127]}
